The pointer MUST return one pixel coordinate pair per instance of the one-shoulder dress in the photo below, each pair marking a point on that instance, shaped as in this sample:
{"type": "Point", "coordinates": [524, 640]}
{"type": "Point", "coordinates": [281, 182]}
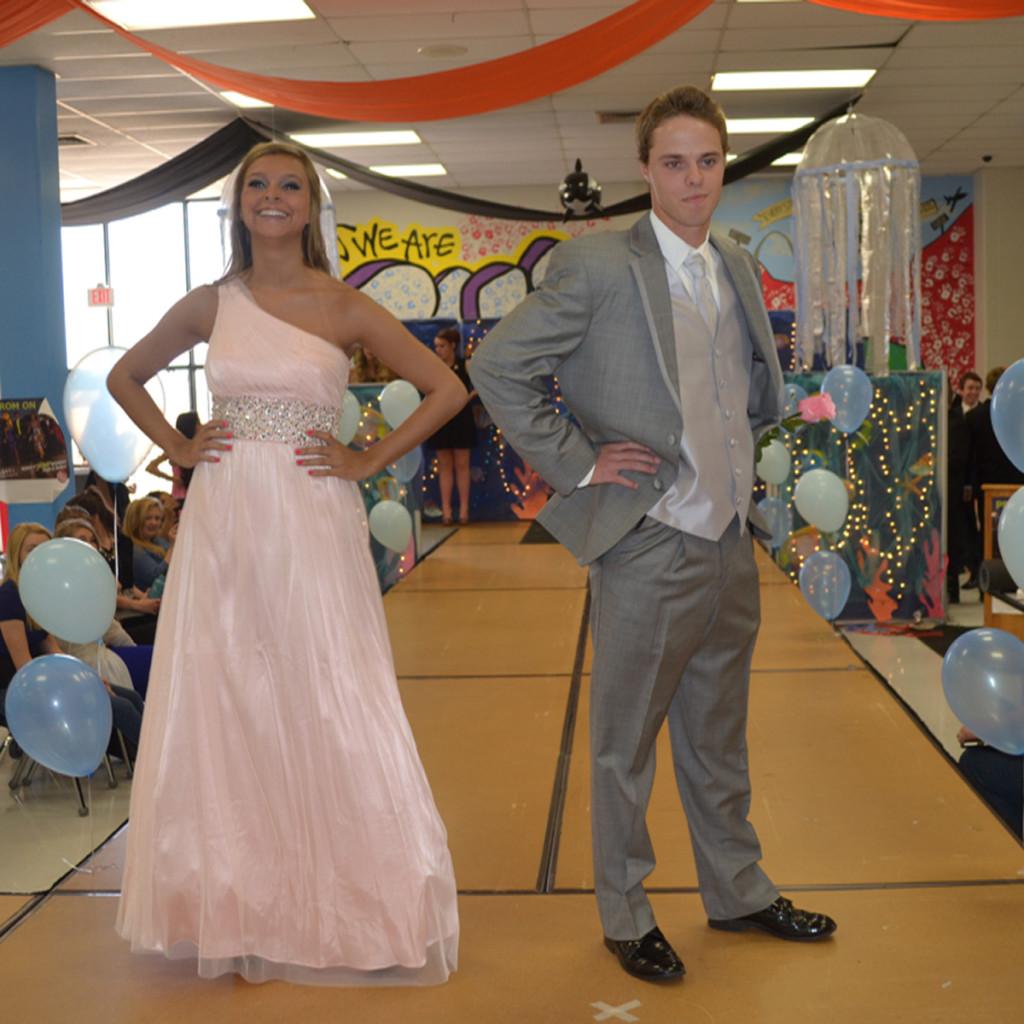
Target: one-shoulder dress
{"type": "Point", "coordinates": [281, 823]}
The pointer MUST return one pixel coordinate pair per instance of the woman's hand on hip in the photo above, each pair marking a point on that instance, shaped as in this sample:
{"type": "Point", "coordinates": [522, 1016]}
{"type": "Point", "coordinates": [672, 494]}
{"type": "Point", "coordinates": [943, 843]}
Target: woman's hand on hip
{"type": "Point", "coordinates": [210, 439]}
{"type": "Point", "coordinates": [332, 458]}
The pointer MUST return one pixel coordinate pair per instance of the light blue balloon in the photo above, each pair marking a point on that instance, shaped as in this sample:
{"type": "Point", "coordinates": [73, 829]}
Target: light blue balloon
{"type": "Point", "coordinates": [822, 499]}
{"type": "Point", "coordinates": [774, 463]}
{"type": "Point", "coordinates": [779, 517]}
{"type": "Point", "coordinates": [406, 467]}
{"type": "Point", "coordinates": [59, 712]}
{"type": "Point", "coordinates": [348, 421]}
{"type": "Point", "coordinates": [794, 395]}
{"type": "Point", "coordinates": [825, 583]}
{"type": "Point", "coordinates": [111, 441]}
{"type": "Point", "coordinates": [68, 588]}
{"type": "Point", "coordinates": [398, 401]}
{"type": "Point", "coordinates": [1008, 413]}
{"type": "Point", "coordinates": [983, 679]}
{"type": "Point", "coordinates": [852, 392]}
{"type": "Point", "coordinates": [1011, 536]}
{"type": "Point", "coordinates": [391, 525]}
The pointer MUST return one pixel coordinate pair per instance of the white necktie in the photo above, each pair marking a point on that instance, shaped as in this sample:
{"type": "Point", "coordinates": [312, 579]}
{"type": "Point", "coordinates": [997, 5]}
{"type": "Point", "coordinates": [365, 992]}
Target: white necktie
{"type": "Point", "coordinates": [703, 296]}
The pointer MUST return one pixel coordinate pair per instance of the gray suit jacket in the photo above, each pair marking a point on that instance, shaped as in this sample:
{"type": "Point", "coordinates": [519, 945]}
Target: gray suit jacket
{"type": "Point", "coordinates": [602, 321]}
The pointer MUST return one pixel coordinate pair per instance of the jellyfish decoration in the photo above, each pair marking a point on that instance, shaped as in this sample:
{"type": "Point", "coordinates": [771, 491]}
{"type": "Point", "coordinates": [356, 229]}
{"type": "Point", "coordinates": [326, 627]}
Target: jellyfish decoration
{"type": "Point", "coordinates": [856, 201]}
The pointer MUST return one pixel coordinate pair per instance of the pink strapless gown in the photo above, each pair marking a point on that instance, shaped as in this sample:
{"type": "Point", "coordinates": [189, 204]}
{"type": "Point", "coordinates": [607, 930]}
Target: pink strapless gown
{"type": "Point", "coordinates": [281, 824]}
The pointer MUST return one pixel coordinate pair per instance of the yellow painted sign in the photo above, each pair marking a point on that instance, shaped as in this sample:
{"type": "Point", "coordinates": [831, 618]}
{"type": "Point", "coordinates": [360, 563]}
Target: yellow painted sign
{"type": "Point", "coordinates": [430, 248]}
{"type": "Point", "coordinates": [775, 212]}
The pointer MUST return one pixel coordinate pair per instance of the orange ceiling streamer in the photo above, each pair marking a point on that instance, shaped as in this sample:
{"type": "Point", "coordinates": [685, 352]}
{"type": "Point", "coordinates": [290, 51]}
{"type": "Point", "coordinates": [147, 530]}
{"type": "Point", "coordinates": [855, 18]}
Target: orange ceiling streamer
{"type": "Point", "coordinates": [20, 17]}
{"type": "Point", "coordinates": [930, 10]}
{"type": "Point", "coordinates": [476, 89]}
{"type": "Point", "coordinates": [489, 85]}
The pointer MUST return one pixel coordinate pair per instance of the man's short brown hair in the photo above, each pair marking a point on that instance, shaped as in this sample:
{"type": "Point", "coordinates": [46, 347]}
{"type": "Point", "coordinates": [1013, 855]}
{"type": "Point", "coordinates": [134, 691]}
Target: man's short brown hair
{"type": "Point", "coordinates": [684, 99]}
{"type": "Point", "coordinates": [992, 378]}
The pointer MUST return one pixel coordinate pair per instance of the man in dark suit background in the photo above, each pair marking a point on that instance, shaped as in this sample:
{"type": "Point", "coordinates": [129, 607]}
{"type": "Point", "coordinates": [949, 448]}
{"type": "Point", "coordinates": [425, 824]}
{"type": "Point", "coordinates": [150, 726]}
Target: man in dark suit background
{"type": "Point", "coordinates": [665, 356]}
{"type": "Point", "coordinates": [963, 542]}
{"type": "Point", "coordinates": [989, 464]}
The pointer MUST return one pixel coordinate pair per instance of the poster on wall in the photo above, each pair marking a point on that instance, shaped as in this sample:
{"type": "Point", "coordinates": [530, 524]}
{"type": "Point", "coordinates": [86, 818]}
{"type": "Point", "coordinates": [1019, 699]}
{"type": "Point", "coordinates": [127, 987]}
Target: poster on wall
{"type": "Point", "coordinates": [33, 451]}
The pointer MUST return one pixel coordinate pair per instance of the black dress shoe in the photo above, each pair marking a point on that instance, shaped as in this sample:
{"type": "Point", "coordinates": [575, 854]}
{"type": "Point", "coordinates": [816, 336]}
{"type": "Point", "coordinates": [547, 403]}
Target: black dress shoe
{"type": "Point", "coordinates": [782, 920]}
{"type": "Point", "coordinates": [649, 958]}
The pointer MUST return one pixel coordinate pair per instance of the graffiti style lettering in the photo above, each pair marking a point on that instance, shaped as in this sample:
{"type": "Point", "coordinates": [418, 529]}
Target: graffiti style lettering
{"type": "Point", "coordinates": [430, 248]}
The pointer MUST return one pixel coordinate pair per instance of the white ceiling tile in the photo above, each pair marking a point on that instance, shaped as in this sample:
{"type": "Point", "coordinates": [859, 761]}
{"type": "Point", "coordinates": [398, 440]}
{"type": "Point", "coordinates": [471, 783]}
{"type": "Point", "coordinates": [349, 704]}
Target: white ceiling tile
{"type": "Point", "coordinates": [552, 21]}
{"type": "Point", "coordinates": [290, 59]}
{"type": "Point", "coordinates": [242, 37]}
{"type": "Point", "coordinates": [134, 65]}
{"type": "Point", "coordinates": [939, 95]}
{"type": "Point", "coordinates": [888, 76]}
{"type": "Point", "coordinates": [797, 17]}
{"type": "Point", "coordinates": [774, 40]}
{"type": "Point", "coordinates": [801, 60]}
{"type": "Point", "coordinates": [97, 88]}
{"type": "Point", "coordinates": [953, 57]}
{"type": "Point", "coordinates": [401, 57]}
{"type": "Point", "coordinates": [692, 40]}
{"type": "Point", "coordinates": [441, 26]}
{"type": "Point", "coordinates": [106, 108]}
{"type": "Point", "coordinates": [997, 32]}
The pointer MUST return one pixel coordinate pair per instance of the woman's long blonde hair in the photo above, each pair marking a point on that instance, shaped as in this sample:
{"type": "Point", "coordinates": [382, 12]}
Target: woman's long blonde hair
{"type": "Point", "coordinates": [314, 253]}
{"type": "Point", "coordinates": [133, 520]}
{"type": "Point", "coordinates": [15, 543]}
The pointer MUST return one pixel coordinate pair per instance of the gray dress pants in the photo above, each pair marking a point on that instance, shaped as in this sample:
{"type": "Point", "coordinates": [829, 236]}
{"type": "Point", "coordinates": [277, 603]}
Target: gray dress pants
{"type": "Point", "coordinates": [674, 622]}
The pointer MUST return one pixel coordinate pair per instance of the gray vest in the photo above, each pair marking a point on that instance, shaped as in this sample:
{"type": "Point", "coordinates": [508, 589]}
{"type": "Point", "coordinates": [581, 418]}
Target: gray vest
{"type": "Point", "coordinates": [716, 463]}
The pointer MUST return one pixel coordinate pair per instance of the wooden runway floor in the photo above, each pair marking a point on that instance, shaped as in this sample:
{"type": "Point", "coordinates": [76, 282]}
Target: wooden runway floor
{"type": "Point", "coordinates": [859, 813]}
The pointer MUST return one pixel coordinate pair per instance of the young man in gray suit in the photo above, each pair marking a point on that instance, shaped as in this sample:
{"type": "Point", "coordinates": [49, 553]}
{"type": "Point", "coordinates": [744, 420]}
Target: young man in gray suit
{"type": "Point", "coordinates": [665, 355]}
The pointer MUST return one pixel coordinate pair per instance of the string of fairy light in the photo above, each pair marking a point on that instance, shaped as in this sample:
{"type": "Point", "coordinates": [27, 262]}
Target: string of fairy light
{"type": "Point", "coordinates": [890, 426]}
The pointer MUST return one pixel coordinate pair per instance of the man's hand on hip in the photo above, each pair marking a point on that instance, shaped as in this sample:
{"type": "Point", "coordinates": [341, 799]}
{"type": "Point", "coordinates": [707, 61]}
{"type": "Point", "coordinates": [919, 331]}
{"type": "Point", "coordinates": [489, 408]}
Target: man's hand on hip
{"type": "Point", "coordinates": [623, 456]}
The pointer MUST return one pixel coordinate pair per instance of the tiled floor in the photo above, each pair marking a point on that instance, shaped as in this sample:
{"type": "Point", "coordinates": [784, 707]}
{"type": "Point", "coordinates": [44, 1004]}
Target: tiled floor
{"type": "Point", "coordinates": [859, 813]}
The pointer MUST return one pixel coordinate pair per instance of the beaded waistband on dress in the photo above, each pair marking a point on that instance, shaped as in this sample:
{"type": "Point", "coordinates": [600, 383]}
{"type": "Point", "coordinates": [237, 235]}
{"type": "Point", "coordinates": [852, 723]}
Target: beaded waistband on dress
{"type": "Point", "coordinates": [259, 418]}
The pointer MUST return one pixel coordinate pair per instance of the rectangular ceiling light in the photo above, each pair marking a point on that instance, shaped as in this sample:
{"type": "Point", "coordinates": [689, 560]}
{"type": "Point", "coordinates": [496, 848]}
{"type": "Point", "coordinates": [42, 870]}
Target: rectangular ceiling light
{"type": "Point", "coordinates": [336, 174]}
{"type": "Point", "coordinates": [346, 140]}
{"type": "Point", "coordinates": [789, 160]}
{"type": "Point", "coordinates": [410, 170]}
{"type": "Point", "coordinates": [755, 81]}
{"type": "Point", "coordinates": [145, 14]}
{"type": "Point", "coordinates": [239, 99]}
{"type": "Point", "coordinates": [765, 125]}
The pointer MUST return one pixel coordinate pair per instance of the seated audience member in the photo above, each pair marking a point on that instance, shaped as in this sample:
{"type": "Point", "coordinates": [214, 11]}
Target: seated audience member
{"type": "Point", "coordinates": [151, 558]}
{"type": "Point", "coordinates": [115, 496]}
{"type": "Point", "coordinates": [998, 778]}
{"type": "Point", "coordinates": [187, 423]}
{"type": "Point", "coordinates": [116, 657]}
{"type": "Point", "coordinates": [21, 639]}
{"type": "Point", "coordinates": [136, 610]}
{"type": "Point", "coordinates": [368, 369]}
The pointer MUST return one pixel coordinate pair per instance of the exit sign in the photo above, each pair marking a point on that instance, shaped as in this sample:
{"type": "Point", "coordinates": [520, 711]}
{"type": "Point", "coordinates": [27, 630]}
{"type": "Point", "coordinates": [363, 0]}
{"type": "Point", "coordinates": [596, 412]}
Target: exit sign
{"type": "Point", "coordinates": [101, 295]}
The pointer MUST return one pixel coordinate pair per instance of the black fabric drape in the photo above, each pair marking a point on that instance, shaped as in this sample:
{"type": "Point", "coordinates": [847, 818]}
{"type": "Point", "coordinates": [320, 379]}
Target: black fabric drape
{"type": "Point", "coordinates": [179, 177]}
{"type": "Point", "coordinates": [215, 156]}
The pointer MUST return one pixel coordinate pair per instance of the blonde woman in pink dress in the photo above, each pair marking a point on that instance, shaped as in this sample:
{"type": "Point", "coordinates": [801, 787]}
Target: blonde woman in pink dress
{"type": "Point", "coordinates": [281, 823]}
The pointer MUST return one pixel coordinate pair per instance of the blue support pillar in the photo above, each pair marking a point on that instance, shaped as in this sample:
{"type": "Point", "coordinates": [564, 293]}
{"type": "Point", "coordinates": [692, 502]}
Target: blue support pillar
{"type": "Point", "coordinates": [33, 356]}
